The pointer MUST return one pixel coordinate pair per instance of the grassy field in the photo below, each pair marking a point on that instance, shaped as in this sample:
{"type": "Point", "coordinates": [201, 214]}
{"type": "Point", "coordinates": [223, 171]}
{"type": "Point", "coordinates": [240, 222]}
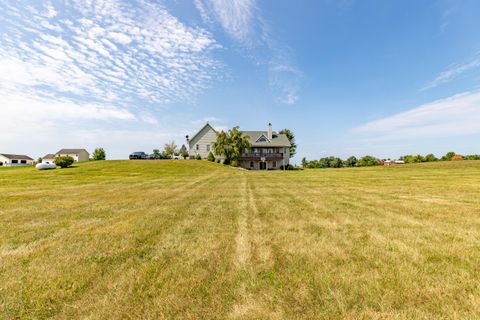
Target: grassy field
{"type": "Point", "coordinates": [197, 240]}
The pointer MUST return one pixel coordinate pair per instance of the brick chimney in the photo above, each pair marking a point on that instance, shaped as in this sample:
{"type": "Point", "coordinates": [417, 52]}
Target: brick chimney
{"type": "Point", "coordinates": [269, 131]}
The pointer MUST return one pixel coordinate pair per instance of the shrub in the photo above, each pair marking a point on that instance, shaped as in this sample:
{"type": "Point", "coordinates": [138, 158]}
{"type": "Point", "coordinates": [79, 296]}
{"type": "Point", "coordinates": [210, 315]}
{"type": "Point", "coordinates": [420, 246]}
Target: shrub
{"type": "Point", "coordinates": [211, 157]}
{"type": "Point", "coordinates": [198, 157]}
{"type": "Point", "coordinates": [226, 161]}
{"type": "Point", "coordinates": [351, 162]}
{"type": "Point", "coordinates": [234, 163]}
{"type": "Point", "coordinates": [218, 160]}
{"type": "Point", "coordinates": [99, 154]}
{"type": "Point", "coordinates": [368, 161]}
{"type": "Point", "coordinates": [64, 162]}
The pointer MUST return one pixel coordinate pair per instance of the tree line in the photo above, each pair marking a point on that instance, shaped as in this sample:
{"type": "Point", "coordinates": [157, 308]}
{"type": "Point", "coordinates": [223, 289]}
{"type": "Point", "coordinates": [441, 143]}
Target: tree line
{"type": "Point", "coordinates": [366, 161]}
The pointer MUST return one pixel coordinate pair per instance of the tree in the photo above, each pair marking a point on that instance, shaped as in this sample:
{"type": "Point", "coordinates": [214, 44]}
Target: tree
{"type": "Point", "coordinates": [157, 152]}
{"type": "Point", "coordinates": [448, 156]}
{"type": "Point", "coordinates": [211, 157]}
{"type": "Point", "coordinates": [198, 157]}
{"type": "Point", "coordinates": [291, 138]}
{"type": "Point", "coordinates": [368, 161]}
{"type": "Point", "coordinates": [183, 151]}
{"type": "Point", "coordinates": [231, 144]}
{"type": "Point", "coordinates": [170, 148]}
{"type": "Point", "coordinates": [64, 162]}
{"type": "Point", "coordinates": [99, 154]}
{"type": "Point", "coordinates": [430, 158]}
{"type": "Point", "coordinates": [304, 162]}
{"type": "Point", "coordinates": [39, 160]}
{"type": "Point", "coordinates": [351, 162]}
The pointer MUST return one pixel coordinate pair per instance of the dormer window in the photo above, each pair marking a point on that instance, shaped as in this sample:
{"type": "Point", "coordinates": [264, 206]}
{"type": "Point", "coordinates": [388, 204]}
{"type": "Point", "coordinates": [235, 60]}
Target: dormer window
{"type": "Point", "coordinates": [262, 138]}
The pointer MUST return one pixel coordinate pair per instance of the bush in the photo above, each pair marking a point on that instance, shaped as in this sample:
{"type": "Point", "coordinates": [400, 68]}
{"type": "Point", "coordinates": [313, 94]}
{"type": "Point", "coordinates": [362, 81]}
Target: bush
{"type": "Point", "coordinates": [351, 162]}
{"type": "Point", "coordinates": [226, 161]}
{"type": "Point", "coordinates": [211, 157]}
{"type": "Point", "coordinates": [99, 154]}
{"type": "Point", "coordinates": [218, 160]}
{"type": "Point", "coordinates": [198, 157]}
{"type": "Point", "coordinates": [234, 163]}
{"type": "Point", "coordinates": [64, 162]}
{"type": "Point", "coordinates": [290, 167]}
{"type": "Point", "coordinates": [368, 161]}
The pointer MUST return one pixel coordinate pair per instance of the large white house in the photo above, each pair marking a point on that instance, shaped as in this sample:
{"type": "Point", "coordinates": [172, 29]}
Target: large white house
{"type": "Point", "coordinates": [269, 150]}
{"type": "Point", "coordinates": [12, 160]}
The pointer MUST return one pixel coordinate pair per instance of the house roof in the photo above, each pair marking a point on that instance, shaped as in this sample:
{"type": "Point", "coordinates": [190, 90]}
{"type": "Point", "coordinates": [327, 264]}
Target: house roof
{"type": "Point", "coordinates": [16, 156]}
{"type": "Point", "coordinates": [278, 140]}
{"type": "Point", "coordinates": [70, 151]}
{"type": "Point", "coordinates": [206, 125]}
{"type": "Point", "coordinates": [49, 156]}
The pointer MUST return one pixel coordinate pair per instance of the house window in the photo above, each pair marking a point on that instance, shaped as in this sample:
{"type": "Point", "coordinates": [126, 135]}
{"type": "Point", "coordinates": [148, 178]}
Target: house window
{"type": "Point", "coordinates": [23, 161]}
{"type": "Point", "coordinates": [197, 147]}
{"type": "Point", "coordinates": [274, 164]}
{"type": "Point", "coordinates": [251, 164]}
{"type": "Point", "coordinates": [14, 161]}
{"type": "Point", "coordinates": [208, 147]}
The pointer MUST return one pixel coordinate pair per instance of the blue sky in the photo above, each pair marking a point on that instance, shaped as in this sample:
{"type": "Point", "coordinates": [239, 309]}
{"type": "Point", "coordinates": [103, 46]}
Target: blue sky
{"type": "Point", "coordinates": [348, 77]}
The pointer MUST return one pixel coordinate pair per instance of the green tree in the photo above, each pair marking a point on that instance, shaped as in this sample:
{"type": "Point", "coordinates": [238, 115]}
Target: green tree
{"type": "Point", "coordinates": [183, 151]}
{"type": "Point", "coordinates": [231, 144]}
{"type": "Point", "coordinates": [418, 158]}
{"type": "Point", "coordinates": [211, 157]}
{"type": "Point", "coordinates": [430, 158]}
{"type": "Point", "coordinates": [448, 156]}
{"type": "Point", "coordinates": [99, 154]}
{"type": "Point", "coordinates": [351, 162]}
{"type": "Point", "coordinates": [39, 160]}
{"type": "Point", "coordinates": [291, 138]}
{"type": "Point", "coordinates": [170, 148]}
{"type": "Point", "coordinates": [157, 152]}
{"type": "Point", "coordinates": [198, 157]}
{"type": "Point", "coordinates": [304, 162]}
{"type": "Point", "coordinates": [368, 161]}
{"type": "Point", "coordinates": [64, 162]}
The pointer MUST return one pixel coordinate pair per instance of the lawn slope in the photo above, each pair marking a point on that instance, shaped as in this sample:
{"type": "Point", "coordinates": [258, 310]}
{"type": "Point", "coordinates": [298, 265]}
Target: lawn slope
{"type": "Point", "coordinates": [193, 239]}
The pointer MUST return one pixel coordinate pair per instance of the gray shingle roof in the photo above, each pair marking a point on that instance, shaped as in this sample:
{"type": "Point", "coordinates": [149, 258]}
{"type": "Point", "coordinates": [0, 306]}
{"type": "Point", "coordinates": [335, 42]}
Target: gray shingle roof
{"type": "Point", "coordinates": [278, 140]}
{"type": "Point", "coordinates": [70, 151]}
{"type": "Point", "coordinates": [49, 156]}
{"type": "Point", "coordinates": [16, 156]}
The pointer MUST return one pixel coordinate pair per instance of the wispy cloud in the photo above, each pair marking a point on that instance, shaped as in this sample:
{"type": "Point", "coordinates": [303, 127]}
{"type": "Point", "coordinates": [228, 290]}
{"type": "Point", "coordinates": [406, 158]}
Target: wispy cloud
{"type": "Point", "coordinates": [454, 116]}
{"type": "Point", "coordinates": [68, 68]}
{"type": "Point", "coordinates": [106, 50]}
{"type": "Point", "coordinates": [244, 22]}
{"type": "Point", "coordinates": [453, 71]}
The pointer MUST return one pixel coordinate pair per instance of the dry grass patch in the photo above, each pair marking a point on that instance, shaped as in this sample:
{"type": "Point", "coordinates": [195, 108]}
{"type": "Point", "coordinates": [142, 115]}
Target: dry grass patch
{"type": "Point", "coordinates": [192, 239]}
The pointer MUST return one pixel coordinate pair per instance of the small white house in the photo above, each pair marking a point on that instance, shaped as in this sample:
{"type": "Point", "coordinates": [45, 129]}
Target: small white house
{"type": "Point", "coordinates": [50, 158]}
{"type": "Point", "coordinates": [12, 160]}
{"type": "Point", "coordinates": [77, 154]}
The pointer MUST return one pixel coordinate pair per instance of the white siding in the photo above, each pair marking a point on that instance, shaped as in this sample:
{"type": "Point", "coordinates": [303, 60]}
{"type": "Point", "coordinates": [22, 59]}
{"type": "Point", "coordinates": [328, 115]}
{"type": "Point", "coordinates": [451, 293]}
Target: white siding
{"type": "Point", "coordinates": [206, 137]}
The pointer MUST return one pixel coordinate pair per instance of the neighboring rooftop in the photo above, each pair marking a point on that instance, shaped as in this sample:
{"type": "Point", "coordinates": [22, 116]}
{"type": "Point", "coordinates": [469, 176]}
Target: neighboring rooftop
{"type": "Point", "coordinates": [16, 156]}
{"type": "Point", "coordinates": [70, 151]}
{"type": "Point", "coordinates": [49, 156]}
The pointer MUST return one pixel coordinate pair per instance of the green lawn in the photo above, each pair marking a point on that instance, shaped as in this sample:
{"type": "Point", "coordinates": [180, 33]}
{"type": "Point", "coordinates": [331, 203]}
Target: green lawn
{"type": "Point", "coordinates": [198, 240]}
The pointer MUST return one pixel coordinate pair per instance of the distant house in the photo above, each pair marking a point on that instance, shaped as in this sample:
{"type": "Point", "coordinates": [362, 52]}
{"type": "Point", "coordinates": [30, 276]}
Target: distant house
{"type": "Point", "coordinates": [270, 150]}
{"type": "Point", "coordinates": [77, 154]}
{"type": "Point", "coordinates": [12, 160]}
{"type": "Point", "coordinates": [48, 158]}
{"type": "Point", "coordinates": [392, 162]}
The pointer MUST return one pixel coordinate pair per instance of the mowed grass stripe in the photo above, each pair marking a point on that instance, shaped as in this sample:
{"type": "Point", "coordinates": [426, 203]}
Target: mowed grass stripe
{"type": "Point", "coordinates": [192, 239]}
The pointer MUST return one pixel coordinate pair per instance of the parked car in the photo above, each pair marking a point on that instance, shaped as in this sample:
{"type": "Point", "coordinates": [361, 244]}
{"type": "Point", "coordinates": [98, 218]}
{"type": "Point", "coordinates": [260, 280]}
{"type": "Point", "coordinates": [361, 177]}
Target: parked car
{"type": "Point", "coordinates": [154, 156]}
{"type": "Point", "coordinates": [138, 155]}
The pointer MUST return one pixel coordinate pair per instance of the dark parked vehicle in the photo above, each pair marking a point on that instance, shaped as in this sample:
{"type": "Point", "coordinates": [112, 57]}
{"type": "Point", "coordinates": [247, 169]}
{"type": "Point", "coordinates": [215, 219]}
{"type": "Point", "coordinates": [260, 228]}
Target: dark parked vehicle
{"type": "Point", "coordinates": [154, 156]}
{"type": "Point", "coordinates": [138, 155]}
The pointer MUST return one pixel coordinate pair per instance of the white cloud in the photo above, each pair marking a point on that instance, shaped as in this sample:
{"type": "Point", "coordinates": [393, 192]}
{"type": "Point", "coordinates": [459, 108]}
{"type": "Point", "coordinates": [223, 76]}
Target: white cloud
{"type": "Point", "coordinates": [83, 51]}
{"type": "Point", "coordinates": [453, 72]}
{"type": "Point", "coordinates": [454, 116]}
